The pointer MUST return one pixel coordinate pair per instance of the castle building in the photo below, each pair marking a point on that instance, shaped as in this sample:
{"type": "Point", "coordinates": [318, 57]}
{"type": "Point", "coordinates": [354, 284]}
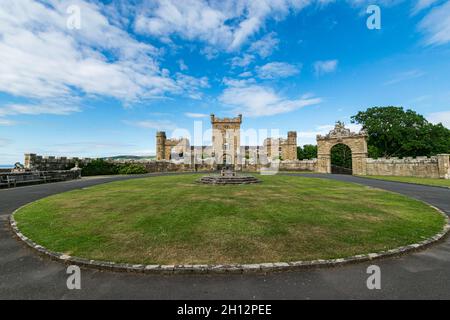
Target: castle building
{"type": "Point", "coordinates": [226, 139]}
{"type": "Point", "coordinates": [169, 149]}
{"type": "Point", "coordinates": [226, 145]}
{"type": "Point", "coordinates": [286, 149]}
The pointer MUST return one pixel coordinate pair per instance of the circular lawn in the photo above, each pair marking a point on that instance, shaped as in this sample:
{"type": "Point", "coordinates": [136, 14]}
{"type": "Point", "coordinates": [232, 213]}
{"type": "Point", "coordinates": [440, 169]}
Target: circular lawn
{"type": "Point", "coordinates": [175, 220]}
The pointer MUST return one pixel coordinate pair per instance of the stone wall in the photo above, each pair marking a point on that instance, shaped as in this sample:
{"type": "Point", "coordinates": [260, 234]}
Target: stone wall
{"type": "Point", "coordinates": [169, 166]}
{"type": "Point", "coordinates": [299, 165]}
{"type": "Point", "coordinates": [423, 167]}
{"type": "Point", "coordinates": [42, 163]}
{"type": "Point", "coordinates": [14, 179]}
{"type": "Point", "coordinates": [433, 167]}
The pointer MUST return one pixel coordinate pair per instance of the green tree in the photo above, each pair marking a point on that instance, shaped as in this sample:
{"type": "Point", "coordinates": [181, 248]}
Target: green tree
{"type": "Point", "coordinates": [308, 151]}
{"type": "Point", "coordinates": [341, 156]}
{"type": "Point", "coordinates": [300, 154]}
{"type": "Point", "coordinates": [99, 167]}
{"type": "Point", "coordinates": [394, 132]}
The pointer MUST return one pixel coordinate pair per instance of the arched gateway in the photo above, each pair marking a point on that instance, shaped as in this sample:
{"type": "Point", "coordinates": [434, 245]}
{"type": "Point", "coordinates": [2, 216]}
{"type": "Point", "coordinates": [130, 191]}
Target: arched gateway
{"type": "Point", "coordinates": [357, 142]}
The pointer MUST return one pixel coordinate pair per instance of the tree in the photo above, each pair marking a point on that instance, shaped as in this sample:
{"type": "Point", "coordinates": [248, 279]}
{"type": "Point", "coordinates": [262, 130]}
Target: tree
{"type": "Point", "coordinates": [341, 156]}
{"type": "Point", "coordinates": [308, 151]}
{"type": "Point", "coordinates": [394, 132]}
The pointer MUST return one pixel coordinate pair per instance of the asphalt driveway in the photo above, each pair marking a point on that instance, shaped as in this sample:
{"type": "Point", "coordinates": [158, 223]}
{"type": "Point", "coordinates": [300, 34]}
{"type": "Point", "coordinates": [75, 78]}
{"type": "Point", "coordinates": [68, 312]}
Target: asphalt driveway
{"type": "Point", "coordinates": [26, 275]}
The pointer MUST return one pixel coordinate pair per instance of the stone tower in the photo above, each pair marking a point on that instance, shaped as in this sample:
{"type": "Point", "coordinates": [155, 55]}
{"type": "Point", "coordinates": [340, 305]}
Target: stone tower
{"type": "Point", "coordinates": [161, 145]}
{"type": "Point", "coordinates": [286, 149]}
{"type": "Point", "coordinates": [226, 139]}
{"type": "Point", "coordinates": [290, 149]}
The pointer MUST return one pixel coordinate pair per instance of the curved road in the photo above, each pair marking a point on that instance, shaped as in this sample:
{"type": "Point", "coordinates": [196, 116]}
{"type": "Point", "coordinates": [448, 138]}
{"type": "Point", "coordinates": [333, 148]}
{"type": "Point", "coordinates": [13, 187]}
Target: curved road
{"type": "Point", "coordinates": [26, 275]}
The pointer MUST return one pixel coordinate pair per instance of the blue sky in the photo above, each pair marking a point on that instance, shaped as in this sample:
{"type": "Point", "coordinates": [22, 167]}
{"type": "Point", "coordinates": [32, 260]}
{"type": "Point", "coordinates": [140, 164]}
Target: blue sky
{"type": "Point", "coordinates": [134, 67]}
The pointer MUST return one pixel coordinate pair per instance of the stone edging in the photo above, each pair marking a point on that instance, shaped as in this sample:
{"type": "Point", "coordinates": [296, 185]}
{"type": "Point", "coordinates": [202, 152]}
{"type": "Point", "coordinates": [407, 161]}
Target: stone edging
{"type": "Point", "coordinates": [231, 268]}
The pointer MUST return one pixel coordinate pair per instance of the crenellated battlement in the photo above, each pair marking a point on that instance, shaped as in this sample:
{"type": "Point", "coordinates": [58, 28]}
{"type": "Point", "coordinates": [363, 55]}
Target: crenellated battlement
{"type": "Point", "coordinates": [410, 160]}
{"type": "Point", "coordinates": [237, 119]}
{"type": "Point", "coordinates": [43, 163]}
{"type": "Point", "coordinates": [425, 167]}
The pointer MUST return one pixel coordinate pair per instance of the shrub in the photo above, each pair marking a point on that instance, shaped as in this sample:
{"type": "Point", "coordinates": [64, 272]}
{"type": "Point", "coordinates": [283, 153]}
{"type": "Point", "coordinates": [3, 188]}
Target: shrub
{"type": "Point", "coordinates": [102, 167]}
{"type": "Point", "coordinates": [99, 167]}
{"type": "Point", "coordinates": [132, 168]}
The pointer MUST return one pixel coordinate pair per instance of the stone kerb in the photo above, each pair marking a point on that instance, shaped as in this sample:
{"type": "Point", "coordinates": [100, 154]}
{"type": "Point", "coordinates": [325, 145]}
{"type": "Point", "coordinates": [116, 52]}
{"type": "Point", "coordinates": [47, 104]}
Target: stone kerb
{"type": "Point", "coordinates": [230, 268]}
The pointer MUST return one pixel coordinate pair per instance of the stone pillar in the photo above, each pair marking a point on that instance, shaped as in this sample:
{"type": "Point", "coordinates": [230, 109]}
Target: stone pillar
{"type": "Point", "coordinates": [192, 157]}
{"type": "Point", "coordinates": [324, 163]}
{"type": "Point", "coordinates": [29, 160]}
{"type": "Point", "coordinates": [359, 164]}
{"type": "Point", "coordinates": [444, 166]}
{"type": "Point", "coordinates": [291, 146]}
{"type": "Point", "coordinates": [160, 145]}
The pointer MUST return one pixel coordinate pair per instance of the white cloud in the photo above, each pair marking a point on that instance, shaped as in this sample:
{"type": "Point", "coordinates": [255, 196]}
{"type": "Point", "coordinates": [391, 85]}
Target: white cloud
{"type": "Point", "coordinates": [190, 86]}
{"type": "Point", "coordinates": [4, 142]}
{"type": "Point", "coordinates": [6, 122]}
{"type": "Point", "coordinates": [276, 70]}
{"type": "Point", "coordinates": [255, 100]}
{"type": "Point", "coordinates": [230, 82]}
{"type": "Point", "coordinates": [323, 67]}
{"type": "Point", "coordinates": [224, 24]}
{"type": "Point", "coordinates": [210, 53]}
{"type": "Point", "coordinates": [245, 74]}
{"type": "Point", "coordinates": [403, 76]}
{"type": "Point", "coordinates": [436, 25]}
{"type": "Point", "coordinates": [30, 109]}
{"type": "Point", "coordinates": [42, 59]}
{"type": "Point", "coordinates": [195, 115]}
{"type": "Point", "coordinates": [440, 117]}
{"type": "Point", "coordinates": [243, 61]}
{"type": "Point", "coordinates": [153, 124]}
{"type": "Point", "coordinates": [265, 46]}
{"type": "Point", "coordinates": [182, 65]}
{"type": "Point", "coordinates": [421, 5]}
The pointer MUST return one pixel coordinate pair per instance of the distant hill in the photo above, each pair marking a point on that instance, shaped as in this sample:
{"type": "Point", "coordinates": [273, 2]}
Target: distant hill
{"type": "Point", "coordinates": [128, 157]}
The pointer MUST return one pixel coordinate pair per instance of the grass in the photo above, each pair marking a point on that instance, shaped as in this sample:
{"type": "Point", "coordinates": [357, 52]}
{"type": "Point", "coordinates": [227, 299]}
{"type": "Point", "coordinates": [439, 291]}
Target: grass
{"type": "Point", "coordinates": [174, 220]}
{"type": "Point", "coordinates": [424, 181]}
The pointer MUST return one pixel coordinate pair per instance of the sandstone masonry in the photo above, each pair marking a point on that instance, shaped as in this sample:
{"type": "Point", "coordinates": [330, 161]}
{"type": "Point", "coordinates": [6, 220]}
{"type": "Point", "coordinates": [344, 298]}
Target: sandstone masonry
{"type": "Point", "coordinates": [178, 155]}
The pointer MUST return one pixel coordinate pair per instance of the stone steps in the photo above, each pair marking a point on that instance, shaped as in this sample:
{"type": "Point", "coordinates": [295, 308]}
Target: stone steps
{"type": "Point", "coordinates": [228, 180]}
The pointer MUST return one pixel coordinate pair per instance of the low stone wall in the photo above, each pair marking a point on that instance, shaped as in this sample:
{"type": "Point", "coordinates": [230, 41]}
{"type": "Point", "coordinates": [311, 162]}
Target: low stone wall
{"type": "Point", "coordinates": [15, 179]}
{"type": "Point", "coordinates": [422, 167]}
{"type": "Point", "coordinates": [42, 163]}
{"type": "Point", "coordinates": [299, 165]}
{"type": "Point", "coordinates": [432, 167]}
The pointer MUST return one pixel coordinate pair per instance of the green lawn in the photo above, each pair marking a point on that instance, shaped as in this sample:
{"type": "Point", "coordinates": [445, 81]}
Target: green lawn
{"type": "Point", "coordinates": [424, 181]}
{"type": "Point", "coordinates": [174, 220]}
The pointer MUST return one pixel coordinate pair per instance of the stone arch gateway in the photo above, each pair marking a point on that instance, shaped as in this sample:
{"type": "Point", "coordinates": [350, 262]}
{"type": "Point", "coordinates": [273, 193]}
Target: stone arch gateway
{"type": "Point", "coordinates": [357, 142]}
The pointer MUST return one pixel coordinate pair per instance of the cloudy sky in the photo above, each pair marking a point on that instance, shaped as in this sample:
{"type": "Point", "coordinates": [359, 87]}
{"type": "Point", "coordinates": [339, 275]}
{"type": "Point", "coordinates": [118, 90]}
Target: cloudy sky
{"type": "Point", "coordinates": [134, 67]}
